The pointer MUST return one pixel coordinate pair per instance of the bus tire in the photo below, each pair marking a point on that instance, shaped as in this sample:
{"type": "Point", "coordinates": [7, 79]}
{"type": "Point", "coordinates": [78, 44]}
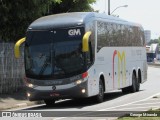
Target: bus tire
{"type": "Point", "coordinates": [133, 87]}
{"type": "Point", "coordinates": [49, 102]}
{"type": "Point", "coordinates": [100, 96]}
{"type": "Point", "coordinates": [138, 84]}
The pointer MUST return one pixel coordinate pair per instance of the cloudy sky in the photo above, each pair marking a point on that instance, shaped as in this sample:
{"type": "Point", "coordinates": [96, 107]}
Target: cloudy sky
{"type": "Point", "coordinates": [144, 12]}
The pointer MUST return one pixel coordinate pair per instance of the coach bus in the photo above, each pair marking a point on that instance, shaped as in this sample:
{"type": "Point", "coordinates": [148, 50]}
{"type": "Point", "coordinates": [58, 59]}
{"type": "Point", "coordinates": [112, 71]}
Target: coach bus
{"type": "Point", "coordinates": [82, 54]}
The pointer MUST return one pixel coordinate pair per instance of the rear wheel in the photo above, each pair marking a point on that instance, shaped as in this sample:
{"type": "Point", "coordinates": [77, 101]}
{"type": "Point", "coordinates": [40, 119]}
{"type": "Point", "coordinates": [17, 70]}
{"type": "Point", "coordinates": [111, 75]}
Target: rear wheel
{"type": "Point", "coordinates": [100, 96]}
{"type": "Point", "coordinates": [49, 102]}
{"type": "Point", "coordinates": [138, 84]}
{"type": "Point", "coordinates": [133, 87]}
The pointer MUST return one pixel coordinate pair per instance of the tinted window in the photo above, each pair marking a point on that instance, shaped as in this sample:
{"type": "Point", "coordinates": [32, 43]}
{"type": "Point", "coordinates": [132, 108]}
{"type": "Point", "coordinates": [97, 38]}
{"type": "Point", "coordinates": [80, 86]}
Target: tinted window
{"type": "Point", "coordinates": [54, 54]}
{"type": "Point", "coordinates": [114, 34]}
{"type": "Point", "coordinates": [91, 27]}
{"type": "Point", "coordinates": [38, 53]}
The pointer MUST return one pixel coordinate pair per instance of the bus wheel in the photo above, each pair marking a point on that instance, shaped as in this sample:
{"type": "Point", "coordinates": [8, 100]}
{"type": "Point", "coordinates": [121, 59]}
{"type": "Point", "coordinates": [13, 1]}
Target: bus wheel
{"type": "Point", "coordinates": [49, 102]}
{"type": "Point", "coordinates": [133, 87]}
{"type": "Point", "coordinates": [100, 96]}
{"type": "Point", "coordinates": [138, 84]}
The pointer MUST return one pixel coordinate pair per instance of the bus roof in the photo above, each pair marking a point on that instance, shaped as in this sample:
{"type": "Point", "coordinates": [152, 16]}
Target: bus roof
{"type": "Point", "coordinates": [73, 19]}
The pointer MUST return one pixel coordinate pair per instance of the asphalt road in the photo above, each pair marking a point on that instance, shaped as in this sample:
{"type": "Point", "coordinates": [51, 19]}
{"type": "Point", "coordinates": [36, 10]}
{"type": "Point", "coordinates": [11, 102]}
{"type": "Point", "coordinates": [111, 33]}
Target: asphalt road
{"type": "Point", "coordinates": [147, 98]}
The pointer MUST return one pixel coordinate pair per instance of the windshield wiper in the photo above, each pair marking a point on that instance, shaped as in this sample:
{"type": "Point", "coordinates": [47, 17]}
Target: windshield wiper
{"type": "Point", "coordinates": [44, 65]}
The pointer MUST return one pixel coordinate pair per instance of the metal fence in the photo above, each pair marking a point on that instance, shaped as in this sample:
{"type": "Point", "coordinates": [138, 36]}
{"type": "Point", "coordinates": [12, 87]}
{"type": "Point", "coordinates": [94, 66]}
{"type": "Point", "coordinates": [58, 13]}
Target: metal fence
{"type": "Point", "coordinates": [11, 69]}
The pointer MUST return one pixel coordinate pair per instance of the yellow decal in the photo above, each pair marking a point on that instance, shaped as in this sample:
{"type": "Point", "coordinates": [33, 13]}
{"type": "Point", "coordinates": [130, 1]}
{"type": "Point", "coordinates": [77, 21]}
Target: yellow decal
{"type": "Point", "coordinates": [121, 67]}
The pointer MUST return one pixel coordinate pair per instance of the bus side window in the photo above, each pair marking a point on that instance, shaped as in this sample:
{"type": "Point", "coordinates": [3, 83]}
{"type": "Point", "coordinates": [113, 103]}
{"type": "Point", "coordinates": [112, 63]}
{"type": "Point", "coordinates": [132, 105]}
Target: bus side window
{"type": "Point", "coordinates": [91, 52]}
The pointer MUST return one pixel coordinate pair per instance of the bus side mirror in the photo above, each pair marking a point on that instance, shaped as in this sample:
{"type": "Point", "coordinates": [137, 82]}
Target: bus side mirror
{"type": "Point", "coordinates": [85, 41]}
{"type": "Point", "coordinates": [17, 46]}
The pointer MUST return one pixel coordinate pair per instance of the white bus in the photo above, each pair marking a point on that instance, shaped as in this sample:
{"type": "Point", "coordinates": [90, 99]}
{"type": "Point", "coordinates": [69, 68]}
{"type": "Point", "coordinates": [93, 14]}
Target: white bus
{"type": "Point", "coordinates": [82, 54]}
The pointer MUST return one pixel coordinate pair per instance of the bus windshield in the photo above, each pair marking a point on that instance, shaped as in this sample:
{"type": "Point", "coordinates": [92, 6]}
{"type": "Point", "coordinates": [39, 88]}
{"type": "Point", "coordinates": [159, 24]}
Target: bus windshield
{"type": "Point", "coordinates": [53, 56]}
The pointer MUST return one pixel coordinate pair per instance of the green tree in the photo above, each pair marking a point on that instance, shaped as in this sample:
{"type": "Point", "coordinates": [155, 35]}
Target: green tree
{"type": "Point", "coordinates": [16, 15]}
{"type": "Point", "coordinates": [153, 41]}
{"type": "Point", "coordinates": [71, 6]}
{"type": "Point", "coordinates": [159, 41]}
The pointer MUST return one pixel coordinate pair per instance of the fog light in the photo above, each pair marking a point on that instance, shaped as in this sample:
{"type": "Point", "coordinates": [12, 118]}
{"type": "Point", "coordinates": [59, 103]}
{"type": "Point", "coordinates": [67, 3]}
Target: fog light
{"type": "Point", "coordinates": [28, 94]}
{"type": "Point", "coordinates": [78, 82]}
{"type": "Point", "coordinates": [83, 90]}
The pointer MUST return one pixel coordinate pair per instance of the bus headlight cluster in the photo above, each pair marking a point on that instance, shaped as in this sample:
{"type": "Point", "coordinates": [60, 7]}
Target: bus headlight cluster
{"type": "Point", "coordinates": [30, 85]}
{"type": "Point", "coordinates": [78, 82]}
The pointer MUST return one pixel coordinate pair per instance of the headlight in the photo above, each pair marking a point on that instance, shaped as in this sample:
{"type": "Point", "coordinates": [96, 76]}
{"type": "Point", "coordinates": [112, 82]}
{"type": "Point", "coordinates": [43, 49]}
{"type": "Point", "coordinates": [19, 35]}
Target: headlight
{"type": "Point", "coordinates": [30, 85]}
{"type": "Point", "coordinates": [78, 82]}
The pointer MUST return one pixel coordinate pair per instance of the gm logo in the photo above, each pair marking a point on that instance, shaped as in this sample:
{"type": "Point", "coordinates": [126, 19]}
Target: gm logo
{"type": "Point", "coordinates": [73, 32]}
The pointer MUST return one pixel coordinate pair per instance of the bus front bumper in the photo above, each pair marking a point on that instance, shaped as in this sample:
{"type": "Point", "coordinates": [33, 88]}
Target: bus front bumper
{"type": "Point", "coordinates": [76, 91]}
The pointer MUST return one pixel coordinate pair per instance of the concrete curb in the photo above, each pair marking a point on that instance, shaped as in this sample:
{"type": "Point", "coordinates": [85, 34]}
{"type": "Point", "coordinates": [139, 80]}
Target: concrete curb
{"type": "Point", "coordinates": [20, 105]}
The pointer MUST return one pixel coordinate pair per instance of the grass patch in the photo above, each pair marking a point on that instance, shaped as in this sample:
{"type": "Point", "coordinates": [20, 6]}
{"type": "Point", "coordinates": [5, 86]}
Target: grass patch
{"type": "Point", "coordinates": [139, 118]}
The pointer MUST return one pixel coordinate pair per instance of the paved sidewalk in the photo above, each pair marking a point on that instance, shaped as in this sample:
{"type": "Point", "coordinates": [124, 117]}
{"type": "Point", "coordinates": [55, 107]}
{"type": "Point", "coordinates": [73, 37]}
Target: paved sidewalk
{"type": "Point", "coordinates": [156, 64]}
{"type": "Point", "coordinates": [15, 100]}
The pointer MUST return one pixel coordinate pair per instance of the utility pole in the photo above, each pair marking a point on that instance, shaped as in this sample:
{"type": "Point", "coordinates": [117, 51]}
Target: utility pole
{"type": "Point", "coordinates": [118, 7]}
{"type": "Point", "coordinates": [105, 6]}
{"type": "Point", "coordinates": [109, 7]}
